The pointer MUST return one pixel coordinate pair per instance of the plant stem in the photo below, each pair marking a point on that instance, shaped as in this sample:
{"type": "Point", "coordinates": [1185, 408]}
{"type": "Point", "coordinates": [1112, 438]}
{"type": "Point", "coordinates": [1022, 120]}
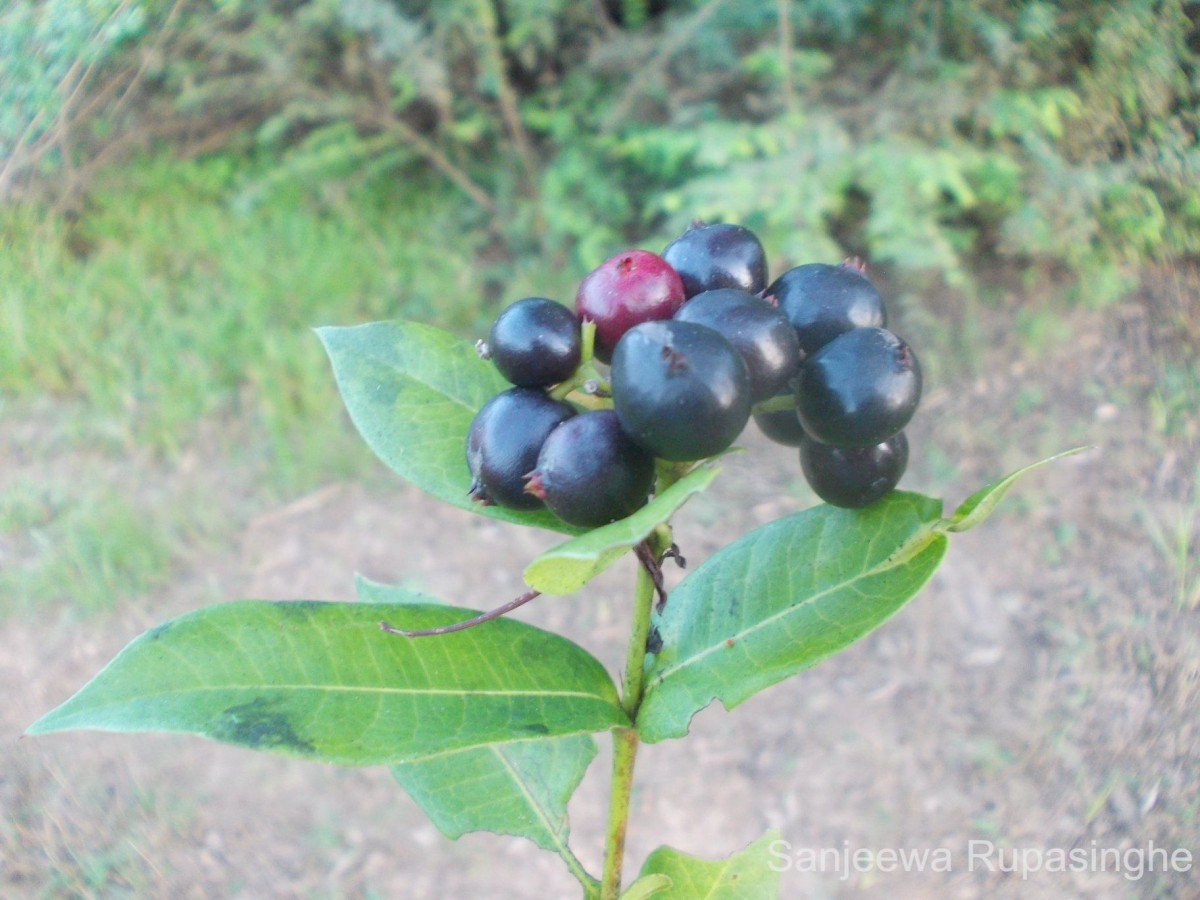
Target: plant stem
{"type": "Point", "coordinates": [625, 740]}
{"type": "Point", "coordinates": [635, 655]}
{"type": "Point", "coordinates": [625, 744]}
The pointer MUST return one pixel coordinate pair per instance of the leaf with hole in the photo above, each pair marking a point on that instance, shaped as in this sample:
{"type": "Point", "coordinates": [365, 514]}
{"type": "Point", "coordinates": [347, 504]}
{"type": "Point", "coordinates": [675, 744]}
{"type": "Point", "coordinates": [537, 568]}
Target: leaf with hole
{"type": "Point", "coordinates": [782, 598]}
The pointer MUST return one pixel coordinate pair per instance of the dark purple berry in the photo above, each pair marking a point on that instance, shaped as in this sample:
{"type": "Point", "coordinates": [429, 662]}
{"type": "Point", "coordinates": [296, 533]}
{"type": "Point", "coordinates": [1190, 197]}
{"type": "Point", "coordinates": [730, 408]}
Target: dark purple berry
{"type": "Point", "coordinates": [854, 476]}
{"type": "Point", "coordinates": [781, 425]}
{"type": "Point", "coordinates": [630, 288]}
{"type": "Point", "coordinates": [822, 301]}
{"type": "Point", "coordinates": [757, 330]}
{"type": "Point", "coordinates": [503, 443]}
{"type": "Point", "coordinates": [708, 257]}
{"type": "Point", "coordinates": [679, 389]}
{"type": "Point", "coordinates": [535, 342]}
{"type": "Point", "coordinates": [589, 472]}
{"type": "Point", "coordinates": [859, 389]}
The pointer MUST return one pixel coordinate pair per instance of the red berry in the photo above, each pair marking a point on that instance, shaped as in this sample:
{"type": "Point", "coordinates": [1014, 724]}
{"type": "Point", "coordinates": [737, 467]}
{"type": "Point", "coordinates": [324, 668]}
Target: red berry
{"type": "Point", "coordinates": [630, 288]}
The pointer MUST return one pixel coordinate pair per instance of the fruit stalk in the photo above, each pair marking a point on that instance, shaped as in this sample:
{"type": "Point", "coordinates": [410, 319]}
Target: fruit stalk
{"type": "Point", "coordinates": [625, 740]}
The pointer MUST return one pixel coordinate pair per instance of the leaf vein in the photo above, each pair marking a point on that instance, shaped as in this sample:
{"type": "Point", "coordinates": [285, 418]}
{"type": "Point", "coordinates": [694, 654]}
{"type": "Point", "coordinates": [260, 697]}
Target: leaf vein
{"type": "Point", "coordinates": [883, 566]}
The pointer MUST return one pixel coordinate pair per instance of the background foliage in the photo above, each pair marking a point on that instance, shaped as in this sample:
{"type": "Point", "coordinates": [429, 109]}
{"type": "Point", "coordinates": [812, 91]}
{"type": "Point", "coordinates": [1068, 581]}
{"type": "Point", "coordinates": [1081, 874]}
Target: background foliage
{"type": "Point", "coordinates": [914, 133]}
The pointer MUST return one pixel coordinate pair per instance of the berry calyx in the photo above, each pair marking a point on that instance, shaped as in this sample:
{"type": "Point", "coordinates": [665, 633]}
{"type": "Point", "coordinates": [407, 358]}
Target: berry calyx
{"type": "Point", "coordinates": [589, 472]}
{"type": "Point", "coordinates": [503, 443]}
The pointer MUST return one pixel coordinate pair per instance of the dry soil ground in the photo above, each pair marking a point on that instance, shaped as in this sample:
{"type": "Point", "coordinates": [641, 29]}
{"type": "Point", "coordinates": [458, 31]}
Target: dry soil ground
{"type": "Point", "coordinates": [1042, 692]}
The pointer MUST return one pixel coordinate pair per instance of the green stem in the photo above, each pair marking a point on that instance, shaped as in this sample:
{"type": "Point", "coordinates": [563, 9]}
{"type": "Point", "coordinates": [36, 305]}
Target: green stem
{"type": "Point", "coordinates": [776, 404]}
{"type": "Point", "coordinates": [586, 371]}
{"type": "Point", "coordinates": [635, 655]}
{"type": "Point", "coordinates": [625, 740]}
{"type": "Point", "coordinates": [625, 744]}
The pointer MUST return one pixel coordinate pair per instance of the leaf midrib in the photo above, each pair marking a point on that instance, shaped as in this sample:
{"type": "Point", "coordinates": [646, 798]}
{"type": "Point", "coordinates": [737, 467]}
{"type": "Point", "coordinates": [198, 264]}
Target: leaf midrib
{"type": "Point", "coordinates": [376, 356]}
{"type": "Point", "coordinates": [559, 839]}
{"type": "Point", "coordinates": [368, 690]}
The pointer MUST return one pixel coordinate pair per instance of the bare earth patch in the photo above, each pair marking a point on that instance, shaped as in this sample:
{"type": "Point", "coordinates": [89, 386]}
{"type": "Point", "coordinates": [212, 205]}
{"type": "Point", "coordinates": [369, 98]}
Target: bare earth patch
{"type": "Point", "coordinates": [1041, 692]}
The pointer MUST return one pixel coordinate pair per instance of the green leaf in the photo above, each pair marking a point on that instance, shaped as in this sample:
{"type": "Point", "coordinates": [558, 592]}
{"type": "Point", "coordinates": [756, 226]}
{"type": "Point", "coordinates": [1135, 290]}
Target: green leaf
{"type": "Point", "coordinates": [321, 681]}
{"type": "Point", "coordinates": [984, 501]}
{"type": "Point", "coordinates": [647, 886]}
{"type": "Point", "coordinates": [518, 787]}
{"type": "Point", "coordinates": [412, 391]}
{"type": "Point", "coordinates": [782, 598]}
{"type": "Point", "coordinates": [747, 873]}
{"type": "Point", "coordinates": [569, 566]}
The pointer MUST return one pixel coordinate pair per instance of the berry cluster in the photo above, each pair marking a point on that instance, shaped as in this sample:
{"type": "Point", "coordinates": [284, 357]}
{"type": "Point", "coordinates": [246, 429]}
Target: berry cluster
{"type": "Point", "coordinates": [696, 343]}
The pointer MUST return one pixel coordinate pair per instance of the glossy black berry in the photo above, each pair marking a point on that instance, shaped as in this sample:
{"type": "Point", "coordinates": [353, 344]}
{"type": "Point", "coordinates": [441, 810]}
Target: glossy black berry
{"type": "Point", "coordinates": [679, 389]}
{"type": "Point", "coordinates": [822, 301]}
{"type": "Point", "coordinates": [782, 425]}
{"type": "Point", "coordinates": [854, 476]}
{"type": "Point", "coordinates": [757, 330]}
{"type": "Point", "coordinates": [503, 443]}
{"type": "Point", "coordinates": [708, 257]}
{"type": "Point", "coordinates": [535, 342]}
{"type": "Point", "coordinates": [590, 473]}
{"type": "Point", "coordinates": [859, 389]}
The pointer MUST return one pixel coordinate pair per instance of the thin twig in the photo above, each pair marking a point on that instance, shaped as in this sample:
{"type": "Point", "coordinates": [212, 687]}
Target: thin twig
{"type": "Point", "coordinates": [466, 623]}
{"type": "Point", "coordinates": [381, 114]}
{"type": "Point", "coordinates": [676, 40]}
{"type": "Point", "coordinates": [507, 96]}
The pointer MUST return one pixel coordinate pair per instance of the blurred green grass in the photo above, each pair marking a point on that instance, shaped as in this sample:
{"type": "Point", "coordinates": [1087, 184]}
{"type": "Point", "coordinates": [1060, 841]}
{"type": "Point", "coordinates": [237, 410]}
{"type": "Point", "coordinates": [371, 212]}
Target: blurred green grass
{"type": "Point", "coordinates": [166, 325]}
{"type": "Point", "coordinates": [90, 550]}
{"type": "Point", "coordinates": [178, 294]}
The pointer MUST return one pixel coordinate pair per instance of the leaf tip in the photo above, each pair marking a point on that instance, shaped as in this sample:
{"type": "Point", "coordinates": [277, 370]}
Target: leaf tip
{"type": "Point", "coordinates": [981, 504]}
{"type": "Point", "coordinates": [43, 725]}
